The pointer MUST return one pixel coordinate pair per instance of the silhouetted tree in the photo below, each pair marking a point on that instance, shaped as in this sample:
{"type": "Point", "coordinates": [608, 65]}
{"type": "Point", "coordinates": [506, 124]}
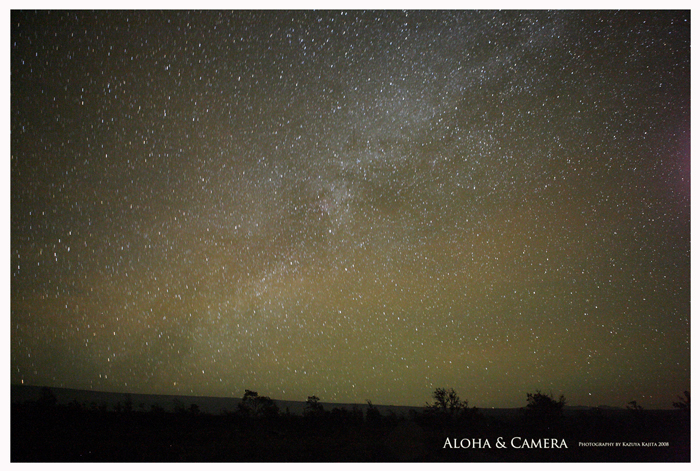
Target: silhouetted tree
{"type": "Point", "coordinates": [447, 402]}
{"type": "Point", "coordinates": [639, 415]}
{"type": "Point", "coordinates": [449, 412]}
{"type": "Point", "coordinates": [253, 405]}
{"type": "Point", "coordinates": [684, 402]}
{"type": "Point", "coordinates": [372, 416]}
{"type": "Point", "coordinates": [543, 405]}
{"type": "Point", "coordinates": [313, 406]}
{"type": "Point", "coordinates": [544, 412]}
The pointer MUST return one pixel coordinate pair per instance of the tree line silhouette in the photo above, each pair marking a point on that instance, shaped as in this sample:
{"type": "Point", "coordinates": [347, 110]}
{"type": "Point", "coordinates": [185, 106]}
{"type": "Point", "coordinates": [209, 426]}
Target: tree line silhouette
{"type": "Point", "coordinates": [257, 430]}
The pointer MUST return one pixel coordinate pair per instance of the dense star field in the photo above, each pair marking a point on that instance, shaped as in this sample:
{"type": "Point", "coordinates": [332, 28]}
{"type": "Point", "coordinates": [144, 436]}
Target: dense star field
{"type": "Point", "coordinates": [352, 205]}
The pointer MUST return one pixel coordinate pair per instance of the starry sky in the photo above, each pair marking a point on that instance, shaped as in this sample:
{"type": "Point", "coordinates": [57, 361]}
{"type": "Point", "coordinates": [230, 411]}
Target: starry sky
{"type": "Point", "coordinates": [353, 205]}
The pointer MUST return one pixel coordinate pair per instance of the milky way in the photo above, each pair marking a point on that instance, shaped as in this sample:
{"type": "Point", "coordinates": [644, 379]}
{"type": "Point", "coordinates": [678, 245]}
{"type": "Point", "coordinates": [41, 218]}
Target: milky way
{"type": "Point", "coordinates": [352, 205]}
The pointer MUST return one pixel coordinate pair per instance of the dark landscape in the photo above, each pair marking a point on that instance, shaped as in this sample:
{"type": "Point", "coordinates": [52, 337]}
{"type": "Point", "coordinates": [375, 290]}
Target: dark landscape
{"type": "Point", "coordinates": [112, 427]}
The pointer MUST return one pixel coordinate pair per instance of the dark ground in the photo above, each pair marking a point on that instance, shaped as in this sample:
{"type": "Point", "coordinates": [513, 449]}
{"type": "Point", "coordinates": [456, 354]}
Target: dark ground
{"type": "Point", "coordinates": [44, 430]}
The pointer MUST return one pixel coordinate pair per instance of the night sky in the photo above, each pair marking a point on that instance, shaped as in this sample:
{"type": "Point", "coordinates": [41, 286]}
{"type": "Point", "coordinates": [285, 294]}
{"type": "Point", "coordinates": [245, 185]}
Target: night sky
{"type": "Point", "coordinates": [352, 205]}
